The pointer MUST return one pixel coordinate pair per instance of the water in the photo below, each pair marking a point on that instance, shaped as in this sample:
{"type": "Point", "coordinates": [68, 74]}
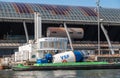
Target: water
{"type": "Point", "coordinates": [113, 73]}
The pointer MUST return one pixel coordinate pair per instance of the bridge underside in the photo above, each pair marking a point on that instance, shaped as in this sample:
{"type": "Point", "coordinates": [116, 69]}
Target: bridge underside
{"type": "Point", "coordinates": [12, 35]}
{"type": "Point", "coordinates": [9, 30]}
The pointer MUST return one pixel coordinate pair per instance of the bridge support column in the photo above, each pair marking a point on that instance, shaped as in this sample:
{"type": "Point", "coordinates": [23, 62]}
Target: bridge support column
{"type": "Point", "coordinates": [65, 26]}
{"type": "Point", "coordinates": [107, 37]}
{"type": "Point", "coordinates": [26, 32]}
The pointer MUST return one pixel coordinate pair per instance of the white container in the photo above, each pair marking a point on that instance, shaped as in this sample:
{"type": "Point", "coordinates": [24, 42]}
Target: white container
{"type": "Point", "coordinates": [17, 56]}
{"type": "Point", "coordinates": [5, 61]}
{"type": "Point", "coordinates": [13, 58]}
{"type": "Point", "coordinates": [32, 56]}
{"type": "Point", "coordinates": [28, 47]}
{"type": "Point", "coordinates": [25, 55]}
{"type": "Point", "coordinates": [64, 57]}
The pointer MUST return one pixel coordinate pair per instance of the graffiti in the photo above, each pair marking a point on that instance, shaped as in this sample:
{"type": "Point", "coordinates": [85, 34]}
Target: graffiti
{"type": "Point", "coordinates": [64, 57]}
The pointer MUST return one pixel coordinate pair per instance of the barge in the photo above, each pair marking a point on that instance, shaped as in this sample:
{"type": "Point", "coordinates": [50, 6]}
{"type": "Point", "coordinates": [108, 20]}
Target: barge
{"type": "Point", "coordinates": [68, 66]}
{"type": "Point", "coordinates": [52, 53]}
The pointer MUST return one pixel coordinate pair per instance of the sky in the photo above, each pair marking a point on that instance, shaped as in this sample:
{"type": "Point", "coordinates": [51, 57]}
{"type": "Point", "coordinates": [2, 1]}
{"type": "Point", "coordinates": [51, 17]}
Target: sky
{"type": "Point", "coordinates": [103, 3]}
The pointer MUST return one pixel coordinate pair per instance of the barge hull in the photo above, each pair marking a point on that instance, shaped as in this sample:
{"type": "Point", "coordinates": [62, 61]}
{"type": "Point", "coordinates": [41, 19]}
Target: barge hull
{"type": "Point", "coordinates": [77, 67]}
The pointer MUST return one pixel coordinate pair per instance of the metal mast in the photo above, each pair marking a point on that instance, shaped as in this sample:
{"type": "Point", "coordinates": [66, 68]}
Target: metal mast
{"type": "Point", "coordinates": [98, 20]}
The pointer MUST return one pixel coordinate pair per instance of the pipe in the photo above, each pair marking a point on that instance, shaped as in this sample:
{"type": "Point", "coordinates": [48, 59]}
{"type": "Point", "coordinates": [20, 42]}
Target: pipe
{"type": "Point", "coordinates": [35, 26]}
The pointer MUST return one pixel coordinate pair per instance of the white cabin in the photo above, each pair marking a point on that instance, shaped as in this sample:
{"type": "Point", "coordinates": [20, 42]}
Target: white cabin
{"type": "Point", "coordinates": [36, 50]}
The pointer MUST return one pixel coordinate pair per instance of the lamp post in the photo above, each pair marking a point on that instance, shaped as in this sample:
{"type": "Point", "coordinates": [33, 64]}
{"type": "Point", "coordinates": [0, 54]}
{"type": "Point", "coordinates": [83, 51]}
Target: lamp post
{"type": "Point", "coordinates": [98, 21]}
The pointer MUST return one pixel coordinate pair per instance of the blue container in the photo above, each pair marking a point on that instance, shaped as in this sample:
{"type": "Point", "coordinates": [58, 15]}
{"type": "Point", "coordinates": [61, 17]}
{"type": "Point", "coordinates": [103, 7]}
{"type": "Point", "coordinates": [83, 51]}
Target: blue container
{"type": "Point", "coordinates": [41, 61]}
{"type": "Point", "coordinates": [48, 57]}
{"type": "Point", "coordinates": [79, 56]}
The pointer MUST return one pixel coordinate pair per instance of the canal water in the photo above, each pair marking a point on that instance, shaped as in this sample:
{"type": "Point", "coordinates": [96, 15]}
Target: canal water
{"type": "Point", "coordinates": [111, 73]}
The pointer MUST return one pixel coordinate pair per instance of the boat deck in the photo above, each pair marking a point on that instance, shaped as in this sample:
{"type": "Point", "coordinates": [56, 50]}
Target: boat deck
{"type": "Point", "coordinates": [68, 66]}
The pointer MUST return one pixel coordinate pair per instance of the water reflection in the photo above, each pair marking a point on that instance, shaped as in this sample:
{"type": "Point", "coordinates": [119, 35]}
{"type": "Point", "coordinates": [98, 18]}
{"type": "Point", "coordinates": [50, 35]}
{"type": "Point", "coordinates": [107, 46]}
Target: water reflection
{"type": "Point", "coordinates": [64, 74]}
{"type": "Point", "coordinates": [6, 74]}
{"type": "Point", "coordinates": [61, 74]}
{"type": "Point", "coordinates": [45, 74]}
{"type": "Point", "coordinates": [33, 74]}
{"type": "Point", "coordinates": [113, 73]}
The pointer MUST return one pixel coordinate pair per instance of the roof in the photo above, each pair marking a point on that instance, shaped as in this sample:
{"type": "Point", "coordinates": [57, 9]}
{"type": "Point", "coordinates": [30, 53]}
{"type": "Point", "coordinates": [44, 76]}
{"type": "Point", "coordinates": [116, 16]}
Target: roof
{"type": "Point", "coordinates": [13, 10]}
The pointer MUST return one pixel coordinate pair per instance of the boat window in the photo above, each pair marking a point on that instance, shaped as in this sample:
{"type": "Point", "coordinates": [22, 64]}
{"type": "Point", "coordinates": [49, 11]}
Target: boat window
{"type": "Point", "coordinates": [62, 45]}
{"type": "Point", "coordinates": [57, 44]}
{"type": "Point", "coordinates": [70, 32]}
{"type": "Point", "coordinates": [118, 60]}
{"type": "Point", "coordinates": [51, 45]}
{"type": "Point", "coordinates": [33, 56]}
{"type": "Point", "coordinates": [41, 44]}
{"type": "Point", "coordinates": [54, 32]}
{"type": "Point", "coordinates": [79, 32]}
{"type": "Point", "coordinates": [45, 44]}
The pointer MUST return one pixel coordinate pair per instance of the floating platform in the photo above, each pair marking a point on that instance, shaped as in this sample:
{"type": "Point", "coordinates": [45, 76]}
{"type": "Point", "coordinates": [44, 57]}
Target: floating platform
{"type": "Point", "coordinates": [68, 66]}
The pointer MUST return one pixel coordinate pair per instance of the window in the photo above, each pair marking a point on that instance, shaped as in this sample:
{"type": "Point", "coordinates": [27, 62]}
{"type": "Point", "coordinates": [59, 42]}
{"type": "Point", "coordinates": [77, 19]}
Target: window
{"type": "Point", "coordinates": [51, 45]}
{"type": "Point", "coordinates": [45, 44]}
{"type": "Point", "coordinates": [58, 45]}
{"type": "Point", "coordinates": [70, 32]}
{"type": "Point", "coordinates": [41, 44]}
{"type": "Point", "coordinates": [33, 56]}
{"type": "Point", "coordinates": [79, 32]}
{"type": "Point", "coordinates": [54, 32]}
